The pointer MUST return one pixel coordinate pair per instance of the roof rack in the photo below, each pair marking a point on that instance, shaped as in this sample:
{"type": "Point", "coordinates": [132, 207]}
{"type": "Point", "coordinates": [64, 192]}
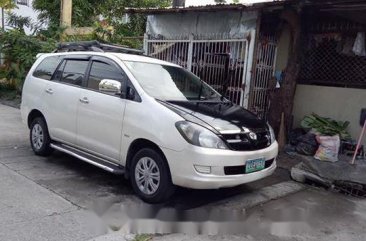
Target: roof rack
{"type": "Point", "coordinates": [95, 46]}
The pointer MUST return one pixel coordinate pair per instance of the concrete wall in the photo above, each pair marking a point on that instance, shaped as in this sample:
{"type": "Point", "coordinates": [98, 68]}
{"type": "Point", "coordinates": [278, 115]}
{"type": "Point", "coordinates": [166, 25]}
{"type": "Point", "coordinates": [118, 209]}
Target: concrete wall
{"type": "Point", "coordinates": [342, 104]}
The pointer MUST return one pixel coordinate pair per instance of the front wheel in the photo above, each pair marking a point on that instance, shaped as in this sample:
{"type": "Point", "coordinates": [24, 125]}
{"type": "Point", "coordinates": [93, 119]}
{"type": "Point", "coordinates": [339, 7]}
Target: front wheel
{"type": "Point", "coordinates": [39, 138]}
{"type": "Point", "coordinates": [150, 176]}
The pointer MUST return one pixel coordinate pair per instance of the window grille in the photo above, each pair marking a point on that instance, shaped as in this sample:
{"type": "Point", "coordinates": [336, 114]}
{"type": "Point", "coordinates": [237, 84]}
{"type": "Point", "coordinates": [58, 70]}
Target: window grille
{"type": "Point", "coordinates": [328, 58]}
{"type": "Point", "coordinates": [22, 2]}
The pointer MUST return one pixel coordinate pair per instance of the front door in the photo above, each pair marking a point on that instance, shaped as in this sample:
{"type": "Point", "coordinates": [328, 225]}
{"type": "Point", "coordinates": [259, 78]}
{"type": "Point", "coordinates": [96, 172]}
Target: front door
{"type": "Point", "coordinates": [100, 115]}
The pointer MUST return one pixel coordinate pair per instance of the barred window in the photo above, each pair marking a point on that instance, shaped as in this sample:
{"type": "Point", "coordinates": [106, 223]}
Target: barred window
{"type": "Point", "coordinates": [328, 57]}
{"type": "Point", "coordinates": [22, 2]}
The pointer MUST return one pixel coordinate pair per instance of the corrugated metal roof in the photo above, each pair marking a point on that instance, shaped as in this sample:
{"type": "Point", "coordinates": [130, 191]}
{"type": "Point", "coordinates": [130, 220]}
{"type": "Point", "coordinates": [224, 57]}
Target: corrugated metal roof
{"type": "Point", "coordinates": [211, 8]}
{"type": "Point", "coordinates": [340, 4]}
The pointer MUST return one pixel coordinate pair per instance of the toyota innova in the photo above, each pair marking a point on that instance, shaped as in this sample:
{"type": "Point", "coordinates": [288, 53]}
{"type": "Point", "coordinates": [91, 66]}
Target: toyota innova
{"type": "Point", "coordinates": [152, 121]}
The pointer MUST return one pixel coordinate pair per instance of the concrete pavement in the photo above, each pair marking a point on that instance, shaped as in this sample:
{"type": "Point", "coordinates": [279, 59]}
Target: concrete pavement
{"type": "Point", "coordinates": [31, 212]}
{"type": "Point", "coordinates": [312, 214]}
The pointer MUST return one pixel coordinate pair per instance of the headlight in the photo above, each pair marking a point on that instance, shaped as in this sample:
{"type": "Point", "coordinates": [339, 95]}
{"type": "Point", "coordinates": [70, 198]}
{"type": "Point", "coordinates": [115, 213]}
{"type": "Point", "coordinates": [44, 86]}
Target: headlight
{"type": "Point", "coordinates": [199, 136]}
{"type": "Point", "coordinates": [271, 131]}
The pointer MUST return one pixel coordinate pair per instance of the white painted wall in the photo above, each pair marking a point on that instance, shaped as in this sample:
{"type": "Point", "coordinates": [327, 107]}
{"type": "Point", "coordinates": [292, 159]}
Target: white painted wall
{"type": "Point", "coordinates": [342, 104]}
{"type": "Point", "coordinates": [25, 11]}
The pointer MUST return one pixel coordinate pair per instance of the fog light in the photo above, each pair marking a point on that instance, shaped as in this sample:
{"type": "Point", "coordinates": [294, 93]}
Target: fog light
{"type": "Point", "coordinates": [203, 169]}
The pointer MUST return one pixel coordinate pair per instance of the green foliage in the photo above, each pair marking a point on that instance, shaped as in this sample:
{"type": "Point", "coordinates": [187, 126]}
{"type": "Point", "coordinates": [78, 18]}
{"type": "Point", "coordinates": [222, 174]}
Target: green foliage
{"type": "Point", "coordinates": [20, 50]}
{"type": "Point", "coordinates": [83, 11]}
{"type": "Point", "coordinates": [19, 22]}
{"type": "Point", "coordinates": [134, 28]}
{"type": "Point", "coordinates": [142, 237]}
{"type": "Point", "coordinates": [326, 126]}
{"type": "Point", "coordinates": [53, 31]}
{"type": "Point", "coordinates": [7, 4]}
{"type": "Point", "coordinates": [86, 13]}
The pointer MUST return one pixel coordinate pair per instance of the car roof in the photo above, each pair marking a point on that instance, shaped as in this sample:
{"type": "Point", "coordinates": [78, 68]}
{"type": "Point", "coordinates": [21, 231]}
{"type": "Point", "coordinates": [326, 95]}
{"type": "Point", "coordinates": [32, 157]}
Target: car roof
{"type": "Point", "coordinates": [121, 56]}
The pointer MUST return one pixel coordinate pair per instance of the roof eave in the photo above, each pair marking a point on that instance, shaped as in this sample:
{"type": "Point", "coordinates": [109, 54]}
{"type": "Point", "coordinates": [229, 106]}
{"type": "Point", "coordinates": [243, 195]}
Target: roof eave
{"type": "Point", "coordinates": [210, 8]}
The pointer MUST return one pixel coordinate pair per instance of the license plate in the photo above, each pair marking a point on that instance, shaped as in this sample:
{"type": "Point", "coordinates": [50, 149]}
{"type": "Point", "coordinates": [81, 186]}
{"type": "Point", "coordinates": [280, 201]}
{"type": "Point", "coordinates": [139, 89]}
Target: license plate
{"type": "Point", "coordinates": [254, 165]}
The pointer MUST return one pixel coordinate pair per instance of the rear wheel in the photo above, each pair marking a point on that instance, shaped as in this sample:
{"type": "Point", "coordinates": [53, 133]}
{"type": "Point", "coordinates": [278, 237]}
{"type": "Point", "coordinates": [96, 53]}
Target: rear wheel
{"type": "Point", "coordinates": [39, 137]}
{"type": "Point", "coordinates": [150, 176]}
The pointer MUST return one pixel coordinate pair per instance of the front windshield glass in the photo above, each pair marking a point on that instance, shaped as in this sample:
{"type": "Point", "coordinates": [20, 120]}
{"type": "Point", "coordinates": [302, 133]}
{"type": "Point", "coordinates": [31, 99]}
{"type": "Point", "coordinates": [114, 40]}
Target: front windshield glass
{"type": "Point", "coordinates": [166, 82]}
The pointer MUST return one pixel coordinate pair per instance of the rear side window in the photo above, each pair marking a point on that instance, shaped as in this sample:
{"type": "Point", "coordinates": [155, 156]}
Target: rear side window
{"type": "Point", "coordinates": [47, 67]}
{"type": "Point", "coordinates": [73, 71]}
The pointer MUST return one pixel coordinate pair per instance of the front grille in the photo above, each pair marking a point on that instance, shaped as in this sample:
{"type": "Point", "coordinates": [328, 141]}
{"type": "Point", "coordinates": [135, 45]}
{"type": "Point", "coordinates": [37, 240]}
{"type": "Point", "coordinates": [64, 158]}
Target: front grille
{"type": "Point", "coordinates": [238, 170]}
{"type": "Point", "coordinates": [243, 141]}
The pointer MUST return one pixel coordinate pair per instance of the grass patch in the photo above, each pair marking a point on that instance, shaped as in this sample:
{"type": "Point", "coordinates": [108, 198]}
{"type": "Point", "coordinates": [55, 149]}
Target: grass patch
{"type": "Point", "coordinates": [143, 237]}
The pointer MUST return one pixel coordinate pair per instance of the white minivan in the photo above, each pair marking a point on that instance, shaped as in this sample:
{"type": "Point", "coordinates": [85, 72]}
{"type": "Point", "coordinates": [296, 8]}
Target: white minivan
{"type": "Point", "coordinates": [153, 121]}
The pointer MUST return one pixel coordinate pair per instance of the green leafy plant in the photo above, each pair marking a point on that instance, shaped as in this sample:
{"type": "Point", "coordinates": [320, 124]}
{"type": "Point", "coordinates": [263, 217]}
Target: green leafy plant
{"type": "Point", "coordinates": [20, 50]}
{"type": "Point", "coordinates": [143, 237]}
{"type": "Point", "coordinates": [326, 126]}
{"type": "Point", "coordinates": [7, 4]}
{"type": "Point", "coordinates": [105, 16]}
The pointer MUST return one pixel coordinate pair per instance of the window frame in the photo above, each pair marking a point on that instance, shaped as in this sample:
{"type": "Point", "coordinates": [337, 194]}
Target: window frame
{"type": "Point", "coordinates": [22, 2]}
{"type": "Point", "coordinates": [107, 61]}
{"type": "Point", "coordinates": [90, 59]}
{"type": "Point", "coordinates": [60, 60]}
{"type": "Point", "coordinates": [67, 58]}
{"type": "Point", "coordinates": [111, 62]}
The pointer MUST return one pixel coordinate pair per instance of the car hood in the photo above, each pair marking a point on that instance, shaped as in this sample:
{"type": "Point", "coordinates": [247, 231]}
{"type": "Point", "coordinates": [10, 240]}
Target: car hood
{"type": "Point", "coordinates": [221, 116]}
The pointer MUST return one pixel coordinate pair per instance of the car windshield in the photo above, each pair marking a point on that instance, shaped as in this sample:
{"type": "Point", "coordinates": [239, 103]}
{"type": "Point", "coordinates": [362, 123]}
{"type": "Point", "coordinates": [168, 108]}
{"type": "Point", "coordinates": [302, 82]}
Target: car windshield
{"type": "Point", "coordinates": [166, 82]}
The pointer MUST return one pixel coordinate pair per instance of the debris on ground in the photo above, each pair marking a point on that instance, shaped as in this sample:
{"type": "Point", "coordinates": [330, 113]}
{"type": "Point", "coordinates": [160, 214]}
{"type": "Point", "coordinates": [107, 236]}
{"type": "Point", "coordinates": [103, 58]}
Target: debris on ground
{"type": "Point", "coordinates": [340, 176]}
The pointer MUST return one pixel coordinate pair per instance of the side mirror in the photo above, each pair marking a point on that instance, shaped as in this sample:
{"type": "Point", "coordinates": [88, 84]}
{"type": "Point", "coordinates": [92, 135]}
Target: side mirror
{"type": "Point", "coordinates": [111, 87]}
{"type": "Point", "coordinates": [130, 93]}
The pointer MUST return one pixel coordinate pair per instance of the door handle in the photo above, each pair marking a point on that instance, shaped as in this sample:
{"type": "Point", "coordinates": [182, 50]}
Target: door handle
{"type": "Point", "coordinates": [49, 91]}
{"type": "Point", "coordinates": [84, 100]}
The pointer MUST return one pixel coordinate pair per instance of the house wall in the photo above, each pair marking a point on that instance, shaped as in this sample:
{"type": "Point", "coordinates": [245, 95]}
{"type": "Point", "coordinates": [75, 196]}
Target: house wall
{"type": "Point", "coordinates": [24, 11]}
{"type": "Point", "coordinates": [342, 104]}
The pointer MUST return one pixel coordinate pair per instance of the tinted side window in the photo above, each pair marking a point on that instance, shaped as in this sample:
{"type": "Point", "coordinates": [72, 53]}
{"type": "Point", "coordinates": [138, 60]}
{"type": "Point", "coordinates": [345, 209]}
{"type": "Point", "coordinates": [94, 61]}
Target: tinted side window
{"type": "Point", "coordinates": [100, 71]}
{"type": "Point", "coordinates": [74, 72]}
{"type": "Point", "coordinates": [47, 67]}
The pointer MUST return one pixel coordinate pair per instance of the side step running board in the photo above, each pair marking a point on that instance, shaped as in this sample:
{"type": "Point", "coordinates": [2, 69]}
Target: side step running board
{"type": "Point", "coordinates": [91, 159]}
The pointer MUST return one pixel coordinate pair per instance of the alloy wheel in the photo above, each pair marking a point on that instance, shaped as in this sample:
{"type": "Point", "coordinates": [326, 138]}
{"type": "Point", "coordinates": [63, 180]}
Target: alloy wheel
{"type": "Point", "coordinates": [37, 136]}
{"type": "Point", "coordinates": [147, 175]}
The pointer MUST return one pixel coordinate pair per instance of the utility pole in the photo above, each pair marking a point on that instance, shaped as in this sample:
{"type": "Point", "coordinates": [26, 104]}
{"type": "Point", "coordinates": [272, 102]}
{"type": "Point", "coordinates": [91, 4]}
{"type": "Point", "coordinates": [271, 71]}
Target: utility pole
{"type": "Point", "coordinates": [66, 15]}
{"type": "Point", "coordinates": [65, 21]}
{"type": "Point", "coordinates": [3, 29]}
{"type": "Point", "coordinates": [2, 19]}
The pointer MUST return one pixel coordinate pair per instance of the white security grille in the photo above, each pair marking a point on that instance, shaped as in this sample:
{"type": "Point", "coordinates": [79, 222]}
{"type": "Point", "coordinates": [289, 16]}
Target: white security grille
{"type": "Point", "coordinates": [264, 71]}
{"type": "Point", "coordinates": [216, 59]}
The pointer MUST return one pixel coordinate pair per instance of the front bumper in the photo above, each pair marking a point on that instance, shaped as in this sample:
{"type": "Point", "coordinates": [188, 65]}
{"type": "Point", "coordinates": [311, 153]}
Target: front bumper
{"type": "Point", "coordinates": [184, 173]}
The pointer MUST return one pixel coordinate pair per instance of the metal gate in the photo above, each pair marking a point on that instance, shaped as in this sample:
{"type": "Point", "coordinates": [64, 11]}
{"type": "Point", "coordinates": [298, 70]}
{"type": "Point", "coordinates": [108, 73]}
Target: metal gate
{"type": "Point", "coordinates": [265, 63]}
{"type": "Point", "coordinates": [216, 59]}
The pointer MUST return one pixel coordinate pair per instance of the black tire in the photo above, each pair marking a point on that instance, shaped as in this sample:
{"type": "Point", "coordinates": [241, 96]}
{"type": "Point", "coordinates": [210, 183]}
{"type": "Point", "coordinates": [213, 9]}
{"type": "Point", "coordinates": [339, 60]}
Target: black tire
{"type": "Point", "coordinates": [43, 149]}
{"type": "Point", "coordinates": [165, 188]}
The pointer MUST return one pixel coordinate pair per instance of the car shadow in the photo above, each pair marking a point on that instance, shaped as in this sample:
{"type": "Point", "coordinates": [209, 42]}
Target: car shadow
{"type": "Point", "coordinates": [97, 184]}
